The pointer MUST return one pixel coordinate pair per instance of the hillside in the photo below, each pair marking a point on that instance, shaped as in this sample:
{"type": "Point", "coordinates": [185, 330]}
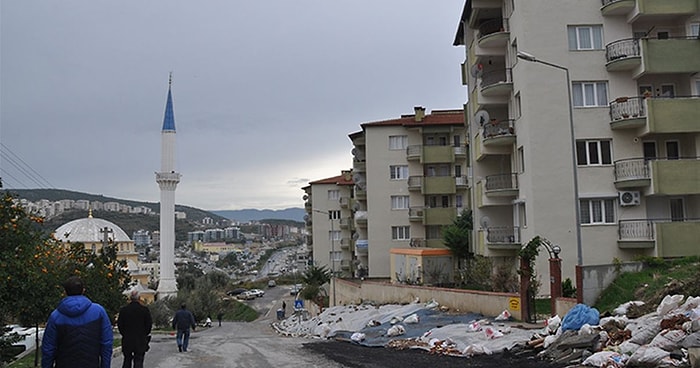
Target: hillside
{"type": "Point", "coordinates": [294, 214]}
{"type": "Point", "coordinates": [33, 195]}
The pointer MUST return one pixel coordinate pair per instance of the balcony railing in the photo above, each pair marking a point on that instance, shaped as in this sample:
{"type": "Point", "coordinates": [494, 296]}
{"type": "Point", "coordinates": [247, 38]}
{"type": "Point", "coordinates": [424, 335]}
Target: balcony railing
{"type": "Point", "coordinates": [636, 230]}
{"type": "Point", "coordinates": [632, 169]}
{"type": "Point", "coordinates": [502, 182]}
{"type": "Point", "coordinates": [496, 76]}
{"type": "Point", "coordinates": [503, 234]}
{"type": "Point", "coordinates": [499, 128]}
{"type": "Point", "coordinates": [622, 49]}
{"type": "Point", "coordinates": [417, 242]}
{"type": "Point", "coordinates": [627, 107]}
{"type": "Point", "coordinates": [493, 26]}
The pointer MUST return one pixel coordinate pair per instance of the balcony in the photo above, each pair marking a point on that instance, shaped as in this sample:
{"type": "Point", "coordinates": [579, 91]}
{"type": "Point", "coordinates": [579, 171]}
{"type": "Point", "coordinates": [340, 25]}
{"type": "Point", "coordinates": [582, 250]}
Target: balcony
{"type": "Point", "coordinates": [434, 154]}
{"type": "Point", "coordinates": [656, 115]}
{"type": "Point", "coordinates": [361, 246]}
{"type": "Point", "coordinates": [345, 264]}
{"type": "Point", "coordinates": [345, 243]}
{"type": "Point", "coordinates": [361, 219]}
{"type": "Point", "coordinates": [415, 214]}
{"type": "Point", "coordinates": [502, 185]}
{"type": "Point", "coordinates": [359, 166]}
{"type": "Point", "coordinates": [417, 242]}
{"type": "Point", "coordinates": [499, 133]}
{"type": "Point", "coordinates": [346, 223]}
{"type": "Point", "coordinates": [360, 194]}
{"type": "Point", "coordinates": [497, 83]}
{"type": "Point", "coordinates": [415, 182]}
{"type": "Point", "coordinates": [344, 201]}
{"type": "Point", "coordinates": [622, 55]}
{"type": "Point", "coordinates": [669, 238]}
{"type": "Point", "coordinates": [432, 184]}
{"type": "Point", "coordinates": [493, 33]}
{"type": "Point", "coordinates": [632, 173]}
{"type": "Point", "coordinates": [617, 7]}
{"type": "Point", "coordinates": [503, 238]}
{"type": "Point", "coordinates": [462, 182]}
{"type": "Point", "coordinates": [677, 176]}
{"type": "Point", "coordinates": [649, 8]}
{"type": "Point", "coordinates": [440, 215]}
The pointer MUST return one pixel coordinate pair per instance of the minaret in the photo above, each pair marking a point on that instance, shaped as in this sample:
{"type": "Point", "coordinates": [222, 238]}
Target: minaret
{"type": "Point", "coordinates": [167, 180]}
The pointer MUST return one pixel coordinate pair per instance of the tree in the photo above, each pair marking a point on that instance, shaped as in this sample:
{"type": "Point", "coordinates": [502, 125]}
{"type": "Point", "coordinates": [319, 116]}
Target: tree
{"type": "Point", "coordinates": [457, 237]}
{"type": "Point", "coordinates": [313, 278]}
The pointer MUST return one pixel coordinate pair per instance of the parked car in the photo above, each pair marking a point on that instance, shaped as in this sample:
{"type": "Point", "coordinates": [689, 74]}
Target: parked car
{"type": "Point", "coordinates": [235, 292]}
{"type": "Point", "coordinates": [271, 283]}
{"type": "Point", "coordinates": [246, 295]}
{"type": "Point", "coordinates": [257, 292]}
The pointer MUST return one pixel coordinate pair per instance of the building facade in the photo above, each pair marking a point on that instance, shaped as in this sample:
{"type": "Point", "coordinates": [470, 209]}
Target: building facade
{"type": "Point", "coordinates": [410, 177]}
{"type": "Point", "coordinates": [584, 127]}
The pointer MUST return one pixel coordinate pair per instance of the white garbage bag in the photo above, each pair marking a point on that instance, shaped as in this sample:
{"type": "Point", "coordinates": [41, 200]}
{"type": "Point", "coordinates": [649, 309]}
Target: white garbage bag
{"type": "Point", "coordinates": [621, 310]}
{"type": "Point", "coordinates": [553, 324]}
{"type": "Point", "coordinates": [358, 336]}
{"type": "Point", "coordinates": [504, 316]}
{"type": "Point", "coordinates": [476, 349]}
{"type": "Point", "coordinates": [412, 319]}
{"type": "Point", "coordinates": [605, 358]}
{"type": "Point", "coordinates": [492, 333]}
{"type": "Point", "coordinates": [669, 303]}
{"type": "Point", "coordinates": [474, 327]}
{"type": "Point", "coordinates": [396, 330]}
{"type": "Point", "coordinates": [668, 339]}
{"type": "Point", "coordinates": [649, 356]}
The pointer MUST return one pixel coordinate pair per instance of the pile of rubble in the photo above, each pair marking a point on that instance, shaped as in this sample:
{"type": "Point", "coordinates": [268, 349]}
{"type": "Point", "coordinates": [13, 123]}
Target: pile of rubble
{"type": "Point", "coordinates": [667, 337]}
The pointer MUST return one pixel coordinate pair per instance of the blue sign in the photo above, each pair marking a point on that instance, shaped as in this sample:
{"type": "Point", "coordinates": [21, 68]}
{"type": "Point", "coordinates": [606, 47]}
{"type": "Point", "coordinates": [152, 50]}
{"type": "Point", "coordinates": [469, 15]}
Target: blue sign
{"type": "Point", "coordinates": [298, 304]}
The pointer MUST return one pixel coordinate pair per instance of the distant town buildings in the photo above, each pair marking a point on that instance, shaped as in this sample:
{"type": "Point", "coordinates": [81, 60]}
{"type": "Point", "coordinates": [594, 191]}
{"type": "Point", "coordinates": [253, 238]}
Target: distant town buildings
{"type": "Point", "coordinates": [48, 209]}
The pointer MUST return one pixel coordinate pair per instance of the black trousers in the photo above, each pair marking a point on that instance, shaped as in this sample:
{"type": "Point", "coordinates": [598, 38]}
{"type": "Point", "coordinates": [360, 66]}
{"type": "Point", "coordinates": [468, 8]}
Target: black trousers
{"type": "Point", "coordinates": [135, 357]}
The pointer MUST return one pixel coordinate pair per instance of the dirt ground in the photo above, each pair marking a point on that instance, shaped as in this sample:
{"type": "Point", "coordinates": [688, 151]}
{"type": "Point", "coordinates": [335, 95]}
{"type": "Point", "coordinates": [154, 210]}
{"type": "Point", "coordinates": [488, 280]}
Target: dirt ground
{"type": "Point", "coordinates": [354, 355]}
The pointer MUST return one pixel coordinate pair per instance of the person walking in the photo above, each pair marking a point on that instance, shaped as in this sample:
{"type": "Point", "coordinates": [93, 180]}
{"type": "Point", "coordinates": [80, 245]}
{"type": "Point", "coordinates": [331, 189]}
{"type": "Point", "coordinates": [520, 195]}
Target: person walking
{"type": "Point", "coordinates": [134, 324]}
{"type": "Point", "coordinates": [182, 322]}
{"type": "Point", "coordinates": [219, 317]}
{"type": "Point", "coordinates": [78, 332]}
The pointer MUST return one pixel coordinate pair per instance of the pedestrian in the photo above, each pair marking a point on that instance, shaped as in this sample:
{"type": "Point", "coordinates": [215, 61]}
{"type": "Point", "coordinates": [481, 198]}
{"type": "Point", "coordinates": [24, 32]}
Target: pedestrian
{"type": "Point", "coordinates": [134, 324]}
{"type": "Point", "coordinates": [182, 321]}
{"type": "Point", "coordinates": [284, 306]}
{"type": "Point", "coordinates": [78, 332]}
{"type": "Point", "coordinates": [219, 317]}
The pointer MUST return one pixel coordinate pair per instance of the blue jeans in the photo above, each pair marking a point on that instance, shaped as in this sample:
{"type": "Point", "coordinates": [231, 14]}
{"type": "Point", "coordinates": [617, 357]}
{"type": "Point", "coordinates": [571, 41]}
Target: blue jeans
{"type": "Point", "coordinates": [183, 339]}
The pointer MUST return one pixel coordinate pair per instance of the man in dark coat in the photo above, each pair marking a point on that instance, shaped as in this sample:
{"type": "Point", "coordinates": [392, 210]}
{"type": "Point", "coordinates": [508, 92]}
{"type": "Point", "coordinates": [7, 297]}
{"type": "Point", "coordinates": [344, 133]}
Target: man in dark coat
{"type": "Point", "coordinates": [78, 332]}
{"type": "Point", "coordinates": [182, 321]}
{"type": "Point", "coordinates": [135, 326]}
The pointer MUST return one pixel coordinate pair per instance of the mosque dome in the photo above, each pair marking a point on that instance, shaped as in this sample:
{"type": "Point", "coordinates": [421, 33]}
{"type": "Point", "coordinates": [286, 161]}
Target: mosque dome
{"type": "Point", "coordinates": [87, 230]}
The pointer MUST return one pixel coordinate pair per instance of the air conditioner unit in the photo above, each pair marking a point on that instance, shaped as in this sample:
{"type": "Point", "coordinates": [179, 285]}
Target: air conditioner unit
{"type": "Point", "coordinates": [629, 198]}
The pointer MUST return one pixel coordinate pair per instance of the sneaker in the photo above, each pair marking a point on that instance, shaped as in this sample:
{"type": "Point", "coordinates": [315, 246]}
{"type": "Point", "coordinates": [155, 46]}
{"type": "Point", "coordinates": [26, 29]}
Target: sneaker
{"type": "Point", "coordinates": [179, 348]}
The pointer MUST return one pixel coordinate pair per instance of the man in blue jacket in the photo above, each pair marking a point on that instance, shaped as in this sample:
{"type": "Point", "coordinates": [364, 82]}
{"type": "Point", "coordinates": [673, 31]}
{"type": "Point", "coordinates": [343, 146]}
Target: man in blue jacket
{"type": "Point", "coordinates": [78, 332]}
{"type": "Point", "coordinates": [182, 321]}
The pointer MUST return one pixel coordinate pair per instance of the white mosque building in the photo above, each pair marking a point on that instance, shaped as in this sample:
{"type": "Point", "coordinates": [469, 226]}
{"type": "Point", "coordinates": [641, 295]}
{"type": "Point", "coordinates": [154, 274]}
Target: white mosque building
{"type": "Point", "coordinates": [94, 233]}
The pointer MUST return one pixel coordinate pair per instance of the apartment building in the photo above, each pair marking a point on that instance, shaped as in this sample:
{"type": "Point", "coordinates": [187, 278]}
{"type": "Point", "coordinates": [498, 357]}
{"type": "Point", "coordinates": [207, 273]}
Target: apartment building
{"type": "Point", "coordinates": [329, 224]}
{"type": "Point", "coordinates": [410, 177]}
{"type": "Point", "coordinates": [584, 127]}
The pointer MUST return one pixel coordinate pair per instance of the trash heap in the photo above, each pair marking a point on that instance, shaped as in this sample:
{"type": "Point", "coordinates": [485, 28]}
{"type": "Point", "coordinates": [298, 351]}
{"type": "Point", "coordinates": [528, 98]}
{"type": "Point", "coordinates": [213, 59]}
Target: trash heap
{"type": "Point", "coordinates": [667, 337]}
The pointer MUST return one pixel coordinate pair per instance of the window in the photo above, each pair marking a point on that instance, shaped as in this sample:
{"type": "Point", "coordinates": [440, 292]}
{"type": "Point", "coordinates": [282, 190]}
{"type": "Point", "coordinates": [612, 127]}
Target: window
{"type": "Point", "coordinates": [334, 215]}
{"type": "Point", "coordinates": [646, 90]}
{"type": "Point", "coordinates": [399, 202]}
{"type": "Point", "coordinates": [673, 150]}
{"type": "Point", "coordinates": [400, 232]}
{"type": "Point", "coordinates": [695, 30]}
{"type": "Point", "coordinates": [677, 212]}
{"type": "Point", "coordinates": [456, 141]}
{"type": "Point", "coordinates": [334, 235]}
{"type": "Point", "coordinates": [521, 160]}
{"type": "Point", "coordinates": [593, 153]}
{"type": "Point", "coordinates": [433, 232]}
{"type": "Point", "coordinates": [458, 171]}
{"type": "Point", "coordinates": [597, 211]}
{"type": "Point", "coordinates": [437, 170]}
{"type": "Point", "coordinates": [668, 90]}
{"type": "Point", "coordinates": [398, 172]}
{"type": "Point", "coordinates": [649, 149]}
{"type": "Point", "coordinates": [334, 194]}
{"type": "Point", "coordinates": [398, 142]}
{"type": "Point", "coordinates": [516, 106]}
{"type": "Point", "coordinates": [585, 37]}
{"type": "Point", "coordinates": [459, 200]}
{"type": "Point", "coordinates": [590, 94]}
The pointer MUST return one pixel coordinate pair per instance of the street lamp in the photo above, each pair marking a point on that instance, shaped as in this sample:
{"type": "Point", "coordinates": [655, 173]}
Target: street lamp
{"type": "Point", "coordinates": [331, 255]}
{"type": "Point", "coordinates": [577, 205]}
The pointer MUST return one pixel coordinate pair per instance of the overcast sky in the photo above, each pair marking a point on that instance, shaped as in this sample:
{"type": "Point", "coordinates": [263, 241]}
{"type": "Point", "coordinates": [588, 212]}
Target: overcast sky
{"type": "Point", "coordinates": [265, 92]}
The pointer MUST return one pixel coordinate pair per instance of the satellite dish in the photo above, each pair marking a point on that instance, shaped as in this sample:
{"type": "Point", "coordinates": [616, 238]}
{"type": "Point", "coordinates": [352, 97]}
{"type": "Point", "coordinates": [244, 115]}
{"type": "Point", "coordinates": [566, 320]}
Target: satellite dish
{"type": "Point", "coordinates": [484, 221]}
{"type": "Point", "coordinates": [305, 197]}
{"type": "Point", "coordinates": [357, 178]}
{"type": "Point", "coordinates": [354, 151]}
{"type": "Point", "coordinates": [306, 217]}
{"type": "Point", "coordinates": [356, 206]}
{"type": "Point", "coordinates": [476, 70]}
{"type": "Point", "coordinates": [355, 236]}
{"type": "Point", "coordinates": [481, 117]}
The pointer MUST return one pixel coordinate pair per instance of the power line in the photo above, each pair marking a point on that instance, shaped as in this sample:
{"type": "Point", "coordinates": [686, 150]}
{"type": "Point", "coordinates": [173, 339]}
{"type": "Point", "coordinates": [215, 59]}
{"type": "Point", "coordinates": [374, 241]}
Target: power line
{"type": "Point", "coordinates": [6, 174]}
{"type": "Point", "coordinates": [24, 168]}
